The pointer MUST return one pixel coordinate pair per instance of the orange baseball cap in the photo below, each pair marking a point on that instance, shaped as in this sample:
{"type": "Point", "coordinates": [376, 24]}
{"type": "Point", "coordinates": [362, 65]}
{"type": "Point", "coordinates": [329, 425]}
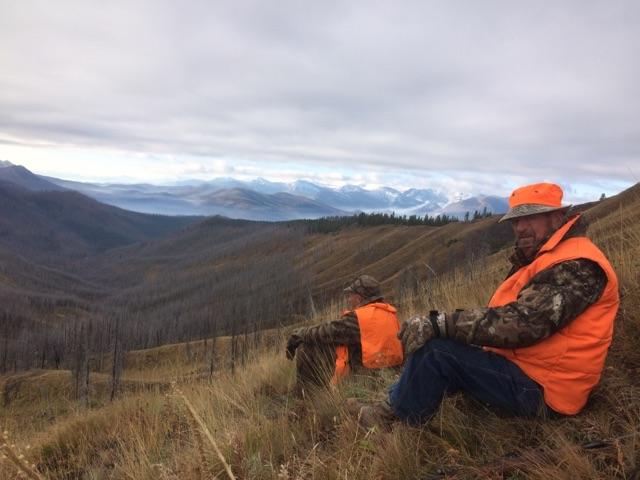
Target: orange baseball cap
{"type": "Point", "coordinates": [534, 199]}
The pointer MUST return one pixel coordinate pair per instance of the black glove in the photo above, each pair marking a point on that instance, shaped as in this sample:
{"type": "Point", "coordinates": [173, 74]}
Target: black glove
{"type": "Point", "coordinates": [295, 339]}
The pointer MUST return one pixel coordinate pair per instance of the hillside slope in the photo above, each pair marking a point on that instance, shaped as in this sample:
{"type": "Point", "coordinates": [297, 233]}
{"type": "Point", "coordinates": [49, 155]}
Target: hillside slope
{"type": "Point", "coordinates": [245, 423]}
{"type": "Point", "coordinates": [20, 176]}
{"type": "Point", "coordinates": [251, 205]}
{"type": "Point", "coordinates": [238, 270]}
{"type": "Point", "coordinates": [54, 225]}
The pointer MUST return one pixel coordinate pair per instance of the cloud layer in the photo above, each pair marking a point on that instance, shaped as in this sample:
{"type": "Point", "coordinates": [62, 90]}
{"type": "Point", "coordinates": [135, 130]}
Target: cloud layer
{"type": "Point", "coordinates": [458, 89]}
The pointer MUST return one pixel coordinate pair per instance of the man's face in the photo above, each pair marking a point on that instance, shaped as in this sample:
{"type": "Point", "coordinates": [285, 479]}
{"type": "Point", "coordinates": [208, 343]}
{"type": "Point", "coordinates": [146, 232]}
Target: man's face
{"type": "Point", "coordinates": [532, 229]}
{"type": "Point", "coordinates": [353, 300]}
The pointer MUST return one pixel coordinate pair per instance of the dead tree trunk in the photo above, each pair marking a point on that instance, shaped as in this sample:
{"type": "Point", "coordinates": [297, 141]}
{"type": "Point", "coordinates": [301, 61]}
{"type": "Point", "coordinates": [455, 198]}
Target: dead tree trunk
{"type": "Point", "coordinates": [118, 360]}
{"type": "Point", "coordinates": [212, 354]}
{"type": "Point", "coordinates": [80, 365]}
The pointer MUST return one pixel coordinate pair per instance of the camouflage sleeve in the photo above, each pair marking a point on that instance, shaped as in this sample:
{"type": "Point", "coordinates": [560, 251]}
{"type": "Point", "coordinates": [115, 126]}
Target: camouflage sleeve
{"type": "Point", "coordinates": [345, 331]}
{"type": "Point", "coordinates": [549, 302]}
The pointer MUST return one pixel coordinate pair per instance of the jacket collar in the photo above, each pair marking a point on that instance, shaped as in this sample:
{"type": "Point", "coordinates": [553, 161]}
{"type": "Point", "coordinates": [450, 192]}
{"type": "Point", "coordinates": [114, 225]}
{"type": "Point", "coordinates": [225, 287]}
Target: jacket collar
{"type": "Point", "coordinates": [369, 300]}
{"type": "Point", "coordinates": [558, 236]}
{"type": "Point", "coordinates": [363, 303]}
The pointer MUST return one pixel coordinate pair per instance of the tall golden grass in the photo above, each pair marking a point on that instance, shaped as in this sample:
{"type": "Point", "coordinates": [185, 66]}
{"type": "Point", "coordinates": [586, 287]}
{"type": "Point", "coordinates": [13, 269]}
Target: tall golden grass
{"type": "Point", "coordinates": [17, 459]}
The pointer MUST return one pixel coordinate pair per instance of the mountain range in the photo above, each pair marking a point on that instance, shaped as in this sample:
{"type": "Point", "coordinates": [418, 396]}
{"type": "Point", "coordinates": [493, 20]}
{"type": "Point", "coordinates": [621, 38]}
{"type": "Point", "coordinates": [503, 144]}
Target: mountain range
{"type": "Point", "coordinates": [480, 203]}
{"type": "Point", "coordinates": [257, 199]}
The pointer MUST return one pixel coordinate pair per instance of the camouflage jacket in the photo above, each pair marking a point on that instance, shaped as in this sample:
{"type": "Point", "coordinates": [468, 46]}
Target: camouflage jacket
{"type": "Point", "coordinates": [549, 302]}
{"type": "Point", "coordinates": [345, 331]}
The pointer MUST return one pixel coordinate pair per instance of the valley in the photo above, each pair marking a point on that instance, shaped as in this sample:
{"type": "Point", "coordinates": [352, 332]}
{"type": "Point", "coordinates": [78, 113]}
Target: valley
{"type": "Point", "coordinates": [99, 339]}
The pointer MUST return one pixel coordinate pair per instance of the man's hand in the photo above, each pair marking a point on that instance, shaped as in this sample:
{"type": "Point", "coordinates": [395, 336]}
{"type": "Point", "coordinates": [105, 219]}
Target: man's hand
{"type": "Point", "coordinates": [415, 332]}
{"type": "Point", "coordinates": [419, 329]}
{"type": "Point", "coordinates": [295, 339]}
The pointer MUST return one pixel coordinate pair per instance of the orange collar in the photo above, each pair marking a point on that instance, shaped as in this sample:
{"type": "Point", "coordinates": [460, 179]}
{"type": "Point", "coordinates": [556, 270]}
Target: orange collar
{"type": "Point", "coordinates": [557, 237]}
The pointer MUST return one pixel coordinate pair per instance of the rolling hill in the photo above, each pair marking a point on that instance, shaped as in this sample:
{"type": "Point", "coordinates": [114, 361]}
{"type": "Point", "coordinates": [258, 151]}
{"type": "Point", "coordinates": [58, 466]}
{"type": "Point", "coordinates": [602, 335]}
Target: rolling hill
{"type": "Point", "coordinates": [248, 204]}
{"type": "Point", "coordinates": [20, 176]}
{"type": "Point", "coordinates": [58, 225]}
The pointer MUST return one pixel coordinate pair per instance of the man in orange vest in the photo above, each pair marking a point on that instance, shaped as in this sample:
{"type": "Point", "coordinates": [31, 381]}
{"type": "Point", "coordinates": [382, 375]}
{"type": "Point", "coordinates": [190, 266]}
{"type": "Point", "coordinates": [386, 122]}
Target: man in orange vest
{"type": "Point", "coordinates": [365, 336]}
{"type": "Point", "coordinates": [540, 344]}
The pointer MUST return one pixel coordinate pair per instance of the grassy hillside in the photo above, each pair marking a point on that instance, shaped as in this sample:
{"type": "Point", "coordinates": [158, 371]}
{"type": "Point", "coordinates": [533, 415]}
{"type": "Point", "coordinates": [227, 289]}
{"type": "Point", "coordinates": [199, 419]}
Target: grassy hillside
{"type": "Point", "coordinates": [174, 419]}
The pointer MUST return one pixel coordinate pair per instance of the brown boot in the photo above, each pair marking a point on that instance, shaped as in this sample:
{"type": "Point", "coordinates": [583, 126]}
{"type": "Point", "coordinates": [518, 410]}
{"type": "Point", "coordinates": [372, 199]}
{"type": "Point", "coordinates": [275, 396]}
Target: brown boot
{"type": "Point", "coordinates": [378, 415]}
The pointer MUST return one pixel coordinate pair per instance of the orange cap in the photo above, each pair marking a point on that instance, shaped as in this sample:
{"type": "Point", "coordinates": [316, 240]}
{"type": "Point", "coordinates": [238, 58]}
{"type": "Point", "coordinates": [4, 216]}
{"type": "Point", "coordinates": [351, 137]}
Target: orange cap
{"type": "Point", "coordinates": [534, 199]}
{"type": "Point", "coordinates": [548, 194]}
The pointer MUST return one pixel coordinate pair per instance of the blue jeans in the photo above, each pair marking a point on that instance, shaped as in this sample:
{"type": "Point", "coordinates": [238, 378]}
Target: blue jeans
{"type": "Point", "coordinates": [445, 366]}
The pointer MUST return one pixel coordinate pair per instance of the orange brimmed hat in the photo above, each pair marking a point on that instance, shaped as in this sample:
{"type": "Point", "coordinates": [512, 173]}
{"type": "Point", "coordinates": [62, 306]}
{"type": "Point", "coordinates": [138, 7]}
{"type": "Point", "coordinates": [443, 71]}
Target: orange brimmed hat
{"type": "Point", "coordinates": [533, 199]}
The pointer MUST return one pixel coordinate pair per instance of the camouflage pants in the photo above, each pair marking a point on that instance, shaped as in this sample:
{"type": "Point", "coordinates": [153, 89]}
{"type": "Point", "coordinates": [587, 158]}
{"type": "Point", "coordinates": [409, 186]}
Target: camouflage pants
{"type": "Point", "coordinates": [315, 364]}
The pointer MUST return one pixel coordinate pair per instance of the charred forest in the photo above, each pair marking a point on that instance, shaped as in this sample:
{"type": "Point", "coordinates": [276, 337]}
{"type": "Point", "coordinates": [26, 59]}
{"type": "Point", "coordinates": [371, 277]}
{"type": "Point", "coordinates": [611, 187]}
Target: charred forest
{"type": "Point", "coordinates": [82, 283]}
{"type": "Point", "coordinates": [239, 280]}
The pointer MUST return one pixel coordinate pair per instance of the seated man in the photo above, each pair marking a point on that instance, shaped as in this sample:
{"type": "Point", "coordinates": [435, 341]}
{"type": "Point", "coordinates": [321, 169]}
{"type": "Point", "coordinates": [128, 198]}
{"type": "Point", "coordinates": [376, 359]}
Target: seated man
{"type": "Point", "coordinates": [545, 332]}
{"type": "Point", "coordinates": [365, 336]}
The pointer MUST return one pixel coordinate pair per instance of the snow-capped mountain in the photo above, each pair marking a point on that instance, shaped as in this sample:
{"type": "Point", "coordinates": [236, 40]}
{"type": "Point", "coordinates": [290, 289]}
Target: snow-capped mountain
{"type": "Point", "coordinates": [259, 198]}
{"type": "Point", "coordinates": [492, 203]}
{"type": "Point", "coordinates": [197, 198]}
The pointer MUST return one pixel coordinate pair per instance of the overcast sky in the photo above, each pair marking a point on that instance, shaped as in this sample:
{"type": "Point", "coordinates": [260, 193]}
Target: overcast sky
{"type": "Point", "coordinates": [466, 96]}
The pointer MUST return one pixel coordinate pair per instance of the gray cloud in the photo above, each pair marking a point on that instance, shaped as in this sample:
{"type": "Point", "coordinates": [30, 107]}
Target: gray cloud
{"type": "Point", "coordinates": [460, 87]}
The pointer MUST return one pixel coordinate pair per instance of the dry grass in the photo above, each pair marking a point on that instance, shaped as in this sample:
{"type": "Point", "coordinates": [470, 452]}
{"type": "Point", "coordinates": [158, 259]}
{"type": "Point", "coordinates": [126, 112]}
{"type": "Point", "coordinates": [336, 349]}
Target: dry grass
{"type": "Point", "coordinates": [13, 456]}
{"type": "Point", "coordinates": [250, 426]}
{"type": "Point", "coordinates": [201, 430]}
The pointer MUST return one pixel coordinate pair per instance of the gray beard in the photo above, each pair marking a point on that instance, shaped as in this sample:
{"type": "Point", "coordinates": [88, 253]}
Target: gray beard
{"type": "Point", "coordinates": [527, 250]}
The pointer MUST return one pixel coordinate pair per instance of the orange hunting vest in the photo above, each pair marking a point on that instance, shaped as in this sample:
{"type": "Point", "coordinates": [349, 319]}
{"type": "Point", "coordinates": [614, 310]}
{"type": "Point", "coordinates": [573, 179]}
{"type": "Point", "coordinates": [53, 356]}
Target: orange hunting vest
{"type": "Point", "coordinates": [568, 364]}
{"type": "Point", "coordinates": [381, 348]}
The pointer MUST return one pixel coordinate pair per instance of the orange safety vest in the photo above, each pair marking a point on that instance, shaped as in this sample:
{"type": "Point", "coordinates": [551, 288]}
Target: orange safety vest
{"type": "Point", "coordinates": [379, 327]}
{"type": "Point", "coordinates": [567, 364]}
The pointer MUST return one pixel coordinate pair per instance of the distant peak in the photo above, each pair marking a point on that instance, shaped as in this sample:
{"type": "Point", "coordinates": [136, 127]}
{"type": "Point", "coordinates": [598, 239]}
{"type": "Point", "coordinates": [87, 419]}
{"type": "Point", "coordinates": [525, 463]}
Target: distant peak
{"type": "Point", "coordinates": [21, 176]}
{"type": "Point", "coordinates": [308, 183]}
{"type": "Point", "coordinates": [351, 188]}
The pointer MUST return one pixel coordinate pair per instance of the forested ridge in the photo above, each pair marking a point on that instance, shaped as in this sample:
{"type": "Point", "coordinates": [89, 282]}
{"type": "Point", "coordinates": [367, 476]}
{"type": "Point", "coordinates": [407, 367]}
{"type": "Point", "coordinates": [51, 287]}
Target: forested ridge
{"type": "Point", "coordinates": [50, 227]}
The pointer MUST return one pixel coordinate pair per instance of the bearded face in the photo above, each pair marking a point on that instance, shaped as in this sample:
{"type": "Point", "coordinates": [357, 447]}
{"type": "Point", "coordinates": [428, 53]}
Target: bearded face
{"type": "Point", "coordinates": [532, 231]}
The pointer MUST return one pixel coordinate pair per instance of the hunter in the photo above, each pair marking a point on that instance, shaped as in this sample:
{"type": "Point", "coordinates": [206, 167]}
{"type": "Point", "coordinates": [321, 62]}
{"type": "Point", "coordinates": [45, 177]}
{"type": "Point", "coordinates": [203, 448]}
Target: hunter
{"type": "Point", "coordinates": [365, 336]}
{"type": "Point", "coordinates": [539, 346]}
